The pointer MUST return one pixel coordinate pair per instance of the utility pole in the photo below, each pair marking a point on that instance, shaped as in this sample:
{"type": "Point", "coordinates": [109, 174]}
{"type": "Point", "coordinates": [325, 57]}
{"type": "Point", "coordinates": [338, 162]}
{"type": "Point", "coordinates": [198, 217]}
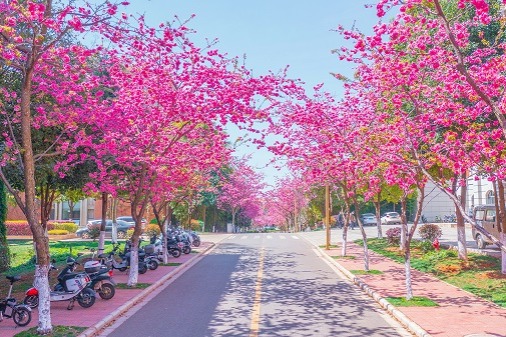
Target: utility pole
{"type": "Point", "coordinates": [327, 216]}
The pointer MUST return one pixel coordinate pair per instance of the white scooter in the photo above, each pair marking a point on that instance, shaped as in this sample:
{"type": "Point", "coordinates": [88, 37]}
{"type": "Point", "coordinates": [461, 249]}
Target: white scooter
{"type": "Point", "coordinates": [70, 287]}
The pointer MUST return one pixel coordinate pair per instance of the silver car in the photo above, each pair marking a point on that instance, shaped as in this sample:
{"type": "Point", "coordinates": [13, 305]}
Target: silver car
{"type": "Point", "coordinates": [391, 218]}
{"type": "Point", "coordinates": [368, 219]}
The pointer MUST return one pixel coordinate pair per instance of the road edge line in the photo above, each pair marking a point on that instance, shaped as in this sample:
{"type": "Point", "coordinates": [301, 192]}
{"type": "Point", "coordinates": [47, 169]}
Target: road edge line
{"type": "Point", "coordinates": [408, 323]}
{"type": "Point", "coordinates": [111, 317]}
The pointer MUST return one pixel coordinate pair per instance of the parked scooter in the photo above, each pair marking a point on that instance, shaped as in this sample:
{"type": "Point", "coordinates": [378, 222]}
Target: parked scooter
{"type": "Point", "coordinates": [172, 246]}
{"type": "Point", "coordinates": [151, 257]}
{"type": "Point", "coordinates": [196, 238]}
{"type": "Point", "coordinates": [21, 314]}
{"type": "Point", "coordinates": [101, 277]}
{"type": "Point", "coordinates": [184, 242]}
{"type": "Point", "coordinates": [70, 287]}
{"type": "Point", "coordinates": [110, 261]}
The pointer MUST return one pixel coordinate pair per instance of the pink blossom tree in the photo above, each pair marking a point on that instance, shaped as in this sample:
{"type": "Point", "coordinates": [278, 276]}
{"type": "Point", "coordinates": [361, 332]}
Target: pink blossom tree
{"type": "Point", "coordinates": [54, 80]}
{"type": "Point", "coordinates": [167, 106]}
{"type": "Point", "coordinates": [241, 191]}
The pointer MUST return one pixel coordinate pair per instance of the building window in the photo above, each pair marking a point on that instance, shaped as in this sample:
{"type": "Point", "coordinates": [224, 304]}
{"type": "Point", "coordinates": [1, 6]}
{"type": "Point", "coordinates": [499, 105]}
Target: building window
{"type": "Point", "coordinates": [490, 198]}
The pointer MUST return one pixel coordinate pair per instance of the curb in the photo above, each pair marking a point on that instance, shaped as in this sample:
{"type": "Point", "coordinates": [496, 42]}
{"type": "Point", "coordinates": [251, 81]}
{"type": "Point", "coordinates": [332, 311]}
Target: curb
{"type": "Point", "coordinates": [110, 318]}
{"type": "Point", "coordinates": [392, 310]}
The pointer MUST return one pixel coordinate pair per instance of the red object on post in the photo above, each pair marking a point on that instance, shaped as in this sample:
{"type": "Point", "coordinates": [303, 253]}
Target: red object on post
{"type": "Point", "coordinates": [435, 244]}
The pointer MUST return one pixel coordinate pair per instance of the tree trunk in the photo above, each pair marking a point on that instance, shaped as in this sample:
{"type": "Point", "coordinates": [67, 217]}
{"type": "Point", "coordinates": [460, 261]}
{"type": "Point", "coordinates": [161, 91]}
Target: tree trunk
{"type": "Point", "coordinates": [133, 274]}
{"type": "Point", "coordinates": [345, 228]}
{"type": "Point", "coordinates": [364, 236]}
{"type": "Point", "coordinates": [377, 207]}
{"type": "Point", "coordinates": [165, 225]}
{"type": "Point", "coordinates": [114, 216]}
{"type": "Point", "coordinates": [47, 198]}
{"type": "Point", "coordinates": [501, 222]}
{"type": "Point", "coordinates": [101, 239]}
{"type": "Point", "coordinates": [72, 205]}
{"type": "Point", "coordinates": [407, 270]}
{"type": "Point", "coordinates": [461, 226]}
{"type": "Point", "coordinates": [41, 282]}
{"type": "Point", "coordinates": [137, 209]}
{"type": "Point", "coordinates": [406, 249]}
{"type": "Point", "coordinates": [233, 220]}
{"type": "Point", "coordinates": [204, 211]}
{"type": "Point", "coordinates": [40, 237]}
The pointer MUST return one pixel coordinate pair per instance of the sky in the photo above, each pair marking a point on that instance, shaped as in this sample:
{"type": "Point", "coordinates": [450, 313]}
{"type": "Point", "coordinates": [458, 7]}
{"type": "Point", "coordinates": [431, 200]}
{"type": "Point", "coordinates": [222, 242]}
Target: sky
{"type": "Point", "coordinates": [272, 34]}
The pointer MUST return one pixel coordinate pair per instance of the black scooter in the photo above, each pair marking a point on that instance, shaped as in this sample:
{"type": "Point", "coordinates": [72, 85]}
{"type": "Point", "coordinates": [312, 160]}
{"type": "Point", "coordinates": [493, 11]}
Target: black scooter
{"type": "Point", "coordinates": [110, 261]}
{"type": "Point", "coordinates": [101, 277]}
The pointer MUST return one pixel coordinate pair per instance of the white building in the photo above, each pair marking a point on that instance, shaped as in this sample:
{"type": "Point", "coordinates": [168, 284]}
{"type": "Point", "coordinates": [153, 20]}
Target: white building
{"type": "Point", "coordinates": [436, 204]}
{"type": "Point", "coordinates": [479, 192]}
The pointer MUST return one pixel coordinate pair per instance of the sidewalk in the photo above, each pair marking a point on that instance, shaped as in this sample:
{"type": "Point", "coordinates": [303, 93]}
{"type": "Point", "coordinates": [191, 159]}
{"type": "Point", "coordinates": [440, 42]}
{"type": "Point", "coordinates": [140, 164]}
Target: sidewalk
{"type": "Point", "coordinates": [103, 312]}
{"type": "Point", "coordinates": [459, 313]}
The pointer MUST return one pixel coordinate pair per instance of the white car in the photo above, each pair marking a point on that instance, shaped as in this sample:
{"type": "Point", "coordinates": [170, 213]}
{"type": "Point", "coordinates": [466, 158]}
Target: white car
{"type": "Point", "coordinates": [130, 220]}
{"type": "Point", "coordinates": [391, 218]}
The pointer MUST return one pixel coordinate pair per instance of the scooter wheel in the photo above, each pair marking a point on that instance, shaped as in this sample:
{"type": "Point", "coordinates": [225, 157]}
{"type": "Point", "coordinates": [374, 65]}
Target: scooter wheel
{"type": "Point", "coordinates": [22, 316]}
{"type": "Point", "coordinates": [86, 298]}
{"type": "Point", "coordinates": [106, 291]}
{"type": "Point", "coordinates": [187, 250]}
{"type": "Point", "coordinates": [32, 301]}
{"type": "Point", "coordinates": [152, 264]}
{"type": "Point", "coordinates": [175, 252]}
{"type": "Point", "coordinates": [196, 243]}
{"type": "Point", "coordinates": [143, 268]}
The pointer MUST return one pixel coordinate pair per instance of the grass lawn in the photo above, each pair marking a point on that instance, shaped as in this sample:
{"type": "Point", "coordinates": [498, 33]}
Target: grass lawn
{"type": "Point", "coordinates": [481, 275]}
{"type": "Point", "coordinates": [414, 302]}
{"type": "Point", "coordinates": [346, 257]}
{"type": "Point", "coordinates": [366, 272]}
{"type": "Point", "coordinates": [137, 286]}
{"type": "Point", "coordinates": [58, 331]}
{"type": "Point", "coordinates": [171, 264]}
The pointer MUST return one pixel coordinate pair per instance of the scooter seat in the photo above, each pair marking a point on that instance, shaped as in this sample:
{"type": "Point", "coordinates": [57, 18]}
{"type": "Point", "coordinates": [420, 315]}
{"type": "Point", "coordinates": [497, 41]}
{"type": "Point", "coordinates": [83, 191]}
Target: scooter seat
{"type": "Point", "coordinates": [13, 278]}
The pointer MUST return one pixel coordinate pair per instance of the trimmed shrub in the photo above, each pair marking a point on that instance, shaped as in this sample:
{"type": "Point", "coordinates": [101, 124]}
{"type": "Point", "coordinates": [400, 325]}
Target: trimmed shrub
{"type": "Point", "coordinates": [21, 227]}
{"type": "Point", "coordinates": [430, 232]}
{"type": "Point", "coordinates": [393, 235]}
{"type": "Point", "coordinates": [70, 227]}
{"type": "Point", "coordinates": [58, 232]}
{"type": "Point", "coordinates": [152, 230]}
{"type": "Point", "coordinates": [18, 227]}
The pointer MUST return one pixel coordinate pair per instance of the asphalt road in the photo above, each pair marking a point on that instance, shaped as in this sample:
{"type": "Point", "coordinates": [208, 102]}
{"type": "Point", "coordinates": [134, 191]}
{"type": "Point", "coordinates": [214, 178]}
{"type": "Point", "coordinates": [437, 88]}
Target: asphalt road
{"type": "Point", "coordinates": [259, 285]}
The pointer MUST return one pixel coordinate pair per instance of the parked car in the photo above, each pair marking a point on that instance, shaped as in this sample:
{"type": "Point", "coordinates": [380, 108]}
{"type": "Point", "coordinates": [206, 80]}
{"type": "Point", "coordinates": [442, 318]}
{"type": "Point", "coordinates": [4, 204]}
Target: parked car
{"type": "Point", "coordinates": [76, 221]}
{"type": "Point", "coordinates": [123, 226]}
{"type": "Point", "coordinates": [485, 215]}
{"type": "Point", "coordinates": [130, 220]}
{"type": "Point", "coordinates": [391, 218]}
{"type": "Point", "coordinates": [368, 219]}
